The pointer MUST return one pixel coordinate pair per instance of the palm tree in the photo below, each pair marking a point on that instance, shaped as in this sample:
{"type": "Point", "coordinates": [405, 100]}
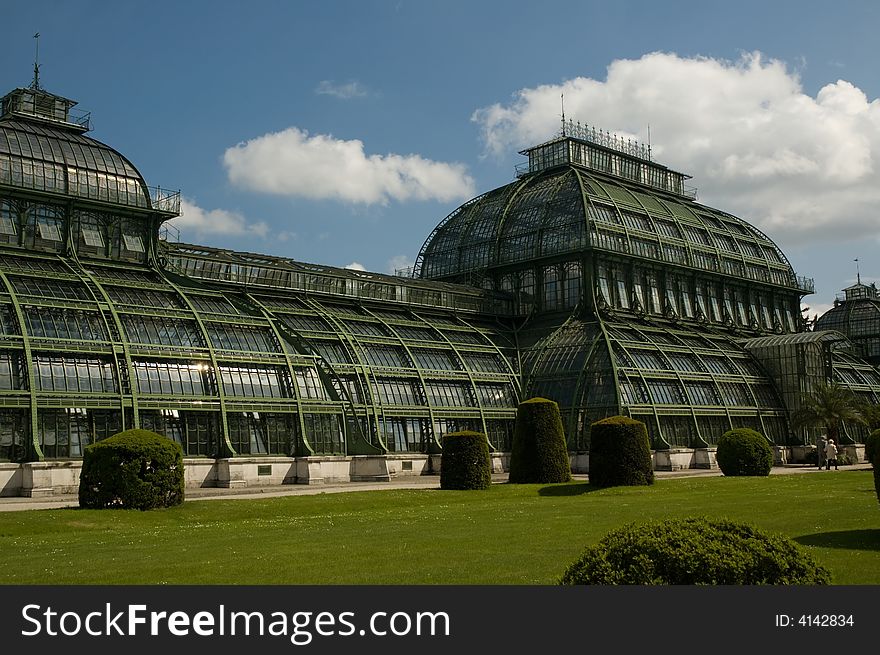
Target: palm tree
{"type": "Point", "coordinates": [828, 404]}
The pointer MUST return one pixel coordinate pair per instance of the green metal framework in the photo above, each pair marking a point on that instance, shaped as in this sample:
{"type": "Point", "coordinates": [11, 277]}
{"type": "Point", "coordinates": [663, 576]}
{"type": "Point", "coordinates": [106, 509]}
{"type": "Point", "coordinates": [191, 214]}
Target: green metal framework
{"type": "Point", "coordinates": [104, 327]}
{"type": "Point", "coordinates": [857, 315]}
{"type": "Point", "coordinates": [633, 298]}
{"type": "Point", "coordinates": [594, 279]}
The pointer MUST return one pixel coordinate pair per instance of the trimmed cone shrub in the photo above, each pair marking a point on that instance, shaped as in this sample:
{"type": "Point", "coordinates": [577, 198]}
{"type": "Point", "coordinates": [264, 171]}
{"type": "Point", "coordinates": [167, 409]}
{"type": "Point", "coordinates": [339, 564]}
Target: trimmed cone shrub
{"type": "Point", "coordinates": [465, 462]}
{"type": "Point", "coordinates": [135, 469]}
{"type": "Point", "coordinates": [620, 454]}
{"type": "Point", "coordinates": [539, 453]}
{"type": "Point", "coordinates": [742, 451]}
{"type": "Point", "coordinates": [695, 551]}
{"type": "Point", "coordinates": [872, 446]}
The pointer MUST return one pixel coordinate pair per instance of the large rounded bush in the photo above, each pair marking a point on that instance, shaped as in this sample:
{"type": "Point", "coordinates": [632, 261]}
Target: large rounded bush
{"type": "Point", "coordinates": [743, 451]}
{"type": "Point", "coordinates": [620, 454]}
{"type": "Point", "coordinates": [695, 551]}
{"type": "Point", "coordinates": [872, 445]}
{"type": "Point", "coordinates": [135, 469]}
{"type": "Point", "coordinates": [465, 462]}
{"type": "Point", "coordinates": [539, 453]}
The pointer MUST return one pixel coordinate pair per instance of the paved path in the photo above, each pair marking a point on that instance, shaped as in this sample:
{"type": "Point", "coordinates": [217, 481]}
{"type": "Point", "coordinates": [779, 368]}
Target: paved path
{"type": "Point", "coordinates": [15, 503]}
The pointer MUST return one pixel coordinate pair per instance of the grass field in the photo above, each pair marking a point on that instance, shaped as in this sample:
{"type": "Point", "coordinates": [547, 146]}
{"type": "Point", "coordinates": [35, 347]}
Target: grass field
{"type": "Point", "coordinates": [510, 534]}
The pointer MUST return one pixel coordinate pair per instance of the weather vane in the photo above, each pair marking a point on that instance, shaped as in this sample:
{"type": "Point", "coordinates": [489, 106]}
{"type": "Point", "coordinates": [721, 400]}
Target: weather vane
{"type": "Point", "coordinates": [36, 83]}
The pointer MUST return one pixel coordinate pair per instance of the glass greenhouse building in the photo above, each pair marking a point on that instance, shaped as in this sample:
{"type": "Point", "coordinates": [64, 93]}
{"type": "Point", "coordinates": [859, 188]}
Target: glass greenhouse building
{"type": "Point", "coordinates": [594, 279]}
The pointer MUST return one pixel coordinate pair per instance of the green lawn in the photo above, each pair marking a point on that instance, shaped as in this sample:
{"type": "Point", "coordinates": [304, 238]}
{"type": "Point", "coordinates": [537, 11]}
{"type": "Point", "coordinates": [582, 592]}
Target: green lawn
{"type": "Point", "coordinates": [510, 534]}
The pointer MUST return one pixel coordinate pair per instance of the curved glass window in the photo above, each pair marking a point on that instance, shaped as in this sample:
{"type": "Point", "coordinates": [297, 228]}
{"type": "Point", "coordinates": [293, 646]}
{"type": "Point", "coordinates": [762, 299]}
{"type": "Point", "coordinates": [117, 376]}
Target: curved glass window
{"type": "Point", "coordinates": [47, 288]}
{"type": "Point", "coordinates": [438, 360]}
{"type": "Point", "coordinates": [398, 392]}
{"type": "Point", "coordinates": [495, 395]}
{"type": "Point", "coordinates": [332, 351]}
{"type": "Point", "coordinates": [231, 337]}
{"type": "Point", "coordinates": [255, 381]}
{"type": "Point", "coordinates": [156, 331]}
{"type": "Point", "coordinates": [448, 394]}
{"type": "Point", "coordinates": [144, 297]}
{"type": "Point", "coordinates": [385, 356]}
{"type": "Point", "coordinates": [173, 378]}
{"type": "Point", "coordinates": [72, 374]}
{"type": "Point", "coordinates": [324, 433]}
{"type": "Point", "coordinates": [12, 374]}
{"type": "Point", "coordinates": [309, 384]}
{"type": "Point", "coordinates": [51, 323]}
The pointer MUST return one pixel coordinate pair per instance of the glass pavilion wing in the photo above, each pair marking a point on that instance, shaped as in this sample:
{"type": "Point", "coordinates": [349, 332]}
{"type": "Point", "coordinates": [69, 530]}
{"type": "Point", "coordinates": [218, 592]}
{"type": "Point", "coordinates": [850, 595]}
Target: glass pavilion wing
{"type": "Point", "coordinates": [859, 320]}
{"type": "Point", "coordinates": [571, 367]}
{"type": "Point", "coordinates": [407, 372]}
{"type": "Point", "coordinates": [690, 389]}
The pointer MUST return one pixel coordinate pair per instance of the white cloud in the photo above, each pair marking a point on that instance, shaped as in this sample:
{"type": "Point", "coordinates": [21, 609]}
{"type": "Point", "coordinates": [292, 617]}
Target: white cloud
{"type": "Point", "coordinates": [355, 266]}
{"type": "Point", "coordinates": [799, 167]}
{"type": "Point", "coordinates": [293, 163]}
{"type": "Point", "coordinates": [400, 263]}
{"type": "Point", "coordinates": [812, 311]}
{"type": "Point", "coordinates": [195, 220]}
{"type": "Point", "coordinates": [345, 91]}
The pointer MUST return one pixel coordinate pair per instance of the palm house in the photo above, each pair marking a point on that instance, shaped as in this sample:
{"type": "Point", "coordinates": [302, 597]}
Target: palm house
{"type": "Point", "coordinates": [594, 279]}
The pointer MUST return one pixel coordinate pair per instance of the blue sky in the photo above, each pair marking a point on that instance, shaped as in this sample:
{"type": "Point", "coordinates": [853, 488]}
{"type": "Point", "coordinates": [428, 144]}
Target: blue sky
{"type": "Point", "coordinates": [341, 133]}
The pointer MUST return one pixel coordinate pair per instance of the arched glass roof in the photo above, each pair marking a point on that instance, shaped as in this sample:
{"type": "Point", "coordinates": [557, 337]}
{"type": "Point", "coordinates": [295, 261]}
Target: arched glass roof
{"type": "Point", "coordinates": [859, 320]}
{"type": "Point", "coordinates": [687, 387]}
{"type": "Point", "coordinates": [231, 367]}
{"type": "Point", "coordinates": [569, 208]}
{"type": "Point", "coordinates": [39, 156]}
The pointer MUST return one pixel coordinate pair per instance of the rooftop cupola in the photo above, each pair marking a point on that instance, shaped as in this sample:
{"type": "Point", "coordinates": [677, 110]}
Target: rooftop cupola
{"type": "Point", "coordinates": [604, 152]}
{"type": "Point", "coordinates": [35, 104]}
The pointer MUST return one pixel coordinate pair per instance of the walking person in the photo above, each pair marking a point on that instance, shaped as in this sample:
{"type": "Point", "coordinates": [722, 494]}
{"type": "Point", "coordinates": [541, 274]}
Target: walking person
{"type": "Point", "coordinates": [820, 451]}
{"type": "Point", "coordinates": [830, 455]}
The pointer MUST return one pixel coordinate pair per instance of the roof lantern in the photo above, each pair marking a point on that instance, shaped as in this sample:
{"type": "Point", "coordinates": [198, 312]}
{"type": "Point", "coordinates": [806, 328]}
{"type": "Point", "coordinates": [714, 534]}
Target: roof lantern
{"type": "Point", "coordinates": [604, 152]}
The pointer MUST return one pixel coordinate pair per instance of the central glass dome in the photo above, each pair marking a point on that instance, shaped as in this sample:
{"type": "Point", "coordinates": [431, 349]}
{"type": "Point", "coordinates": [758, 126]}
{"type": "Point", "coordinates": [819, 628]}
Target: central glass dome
{"type": "Point", "coordinates": [568, 207]}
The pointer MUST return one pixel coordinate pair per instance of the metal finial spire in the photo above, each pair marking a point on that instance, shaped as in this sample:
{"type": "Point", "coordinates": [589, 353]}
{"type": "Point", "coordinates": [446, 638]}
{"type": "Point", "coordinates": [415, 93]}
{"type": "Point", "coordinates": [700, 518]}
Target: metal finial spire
{"type": "Point", "coordinates": [562, 102]}
{"type": "Point", "coordinates": [36, 83]}
{"type": "Point", "coordinates": [858, 275]}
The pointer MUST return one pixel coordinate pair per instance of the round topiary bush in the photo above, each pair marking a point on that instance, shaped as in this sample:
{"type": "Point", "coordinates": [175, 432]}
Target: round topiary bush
{"type": "Point", "coordinates": [872, 446]}
{"type": "Point", "coordinates": [539, 453]}
{"type": "Point", "coordinates": [743, 451]}
{"type": "Point", "coordinates": [695, 551]}
{"type": "Point", "coordinates": [135, 469]}
{"type": "Point", "coordinates": [465, 462]}
{"type": "Point", "coordinates": [620, 453]}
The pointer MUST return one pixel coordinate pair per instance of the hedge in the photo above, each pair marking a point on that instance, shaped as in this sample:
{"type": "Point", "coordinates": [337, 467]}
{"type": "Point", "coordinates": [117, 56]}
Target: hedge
{"type": "Point", "coordinates": [620, 454]}
{"type": "Point", "coordinates": [135, 469]}
{"type": "Point", "coordinates": [695, 551]}
{"type": "Point", "coordinates": [742, 451]}
{"type": "Point", "coordinates": [539, 453]}
{"type": "Point", "coordinates": [465, 462]}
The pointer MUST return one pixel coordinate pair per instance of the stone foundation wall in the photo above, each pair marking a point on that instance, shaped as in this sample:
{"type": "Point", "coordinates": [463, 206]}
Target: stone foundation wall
{"type": "Point", "coordinates": [62, 477]}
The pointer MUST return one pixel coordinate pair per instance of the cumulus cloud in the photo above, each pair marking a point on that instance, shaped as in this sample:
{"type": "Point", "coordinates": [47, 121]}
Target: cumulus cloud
{"type": "Point", "coordinates": [400, 264]}
{"type": "Point", "coordinates": [195, 220]}
{"type": "Point", "coordinates": [799, 167]}
{"type": "Point", "coordinates": [294, 163]}
{"type": "Point", "coordinates": [355, 266]}
{"type": "Point", "coordinates": [345, 91]}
